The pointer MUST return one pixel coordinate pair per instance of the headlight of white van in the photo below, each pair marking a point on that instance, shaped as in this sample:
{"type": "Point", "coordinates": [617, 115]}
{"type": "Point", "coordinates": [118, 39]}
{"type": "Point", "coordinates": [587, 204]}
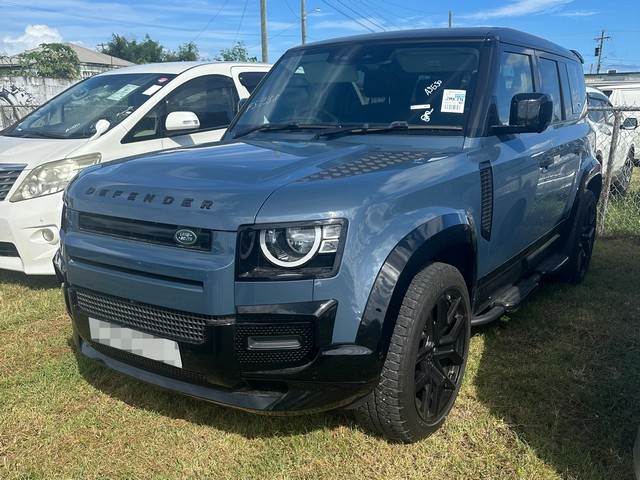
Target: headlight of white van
{"type": "Point", "coordinates": [52, 177]}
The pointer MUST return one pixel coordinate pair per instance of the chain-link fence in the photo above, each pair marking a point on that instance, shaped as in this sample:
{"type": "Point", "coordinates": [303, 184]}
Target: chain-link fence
{"type": "Point", "coordinates": [616, 143]}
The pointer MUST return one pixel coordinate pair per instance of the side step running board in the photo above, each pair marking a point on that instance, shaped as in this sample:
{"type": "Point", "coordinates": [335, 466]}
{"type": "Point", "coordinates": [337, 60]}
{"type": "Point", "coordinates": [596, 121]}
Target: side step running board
{"type": "Point", "coordinates": [510, 298]}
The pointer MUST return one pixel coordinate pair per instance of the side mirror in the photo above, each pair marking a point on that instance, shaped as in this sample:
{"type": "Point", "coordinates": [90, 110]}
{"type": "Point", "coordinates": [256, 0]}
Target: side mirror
{"type": "Point", "coordinates": [630, 123]}
{"type": "Point", "coordinates": [179, 121]}
{"type": "Point", "coordinates": [530, 113]}
{"type": "Point", "coordinates": [102, 126]}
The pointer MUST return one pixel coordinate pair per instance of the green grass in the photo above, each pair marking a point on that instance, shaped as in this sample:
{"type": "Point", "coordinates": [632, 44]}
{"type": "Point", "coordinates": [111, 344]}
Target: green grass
{"type": "Point", "coordinates": [552, 391]}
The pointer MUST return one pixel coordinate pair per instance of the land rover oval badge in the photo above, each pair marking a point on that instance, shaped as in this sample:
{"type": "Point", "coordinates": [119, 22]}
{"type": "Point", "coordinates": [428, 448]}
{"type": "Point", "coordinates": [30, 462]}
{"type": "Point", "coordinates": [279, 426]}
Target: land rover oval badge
{"type": "Point", "coordinates": [185, 237]}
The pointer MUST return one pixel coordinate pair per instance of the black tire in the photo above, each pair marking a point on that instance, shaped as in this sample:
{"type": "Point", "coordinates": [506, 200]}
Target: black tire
{"type": "Point", "coordinates": [622, 185]}
{"type": "Point", "coordinates": [580, 239]}
{"type": "Point", "coordinates": [427, 356]}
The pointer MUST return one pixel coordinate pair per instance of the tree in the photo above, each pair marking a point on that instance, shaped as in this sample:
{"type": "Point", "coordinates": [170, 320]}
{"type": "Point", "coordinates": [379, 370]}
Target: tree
{"type": "Point", "coordinates": [187, 52]}
{"type": "Point", "coordinates": [148, 51]}
{"type": "Point", "coordinates": [52, 60]}
{"type": "Point", "coordinates": [237, 53]}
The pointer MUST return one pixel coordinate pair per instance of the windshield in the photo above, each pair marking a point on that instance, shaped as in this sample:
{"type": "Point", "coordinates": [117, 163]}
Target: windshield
{"type": "Point", "coordinates": [420, 85]}
{"type": "Point", "coordinates": [74, 113]}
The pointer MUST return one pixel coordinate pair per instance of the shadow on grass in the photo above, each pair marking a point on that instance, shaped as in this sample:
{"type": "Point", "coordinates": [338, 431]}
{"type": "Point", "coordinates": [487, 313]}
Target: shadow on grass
{"type": "Point", "coordinates": [34, 282]}
{"type": "Point", "coordinates": [564, 370]}
{"type": "Point", "coordinates": [174, 405]}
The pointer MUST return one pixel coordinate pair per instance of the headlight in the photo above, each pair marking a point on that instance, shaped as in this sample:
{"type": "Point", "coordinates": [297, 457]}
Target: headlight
{"type": "Point", "coordinates": [52, 177]}
{"type": "Point", "coordinates": [308, 250]}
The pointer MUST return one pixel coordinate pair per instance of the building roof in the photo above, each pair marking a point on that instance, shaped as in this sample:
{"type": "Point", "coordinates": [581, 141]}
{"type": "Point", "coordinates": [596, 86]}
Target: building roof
{"type": "Point", "coordinates": [91, 56]}
{"type": "Point", "coordinates": [85, 55]}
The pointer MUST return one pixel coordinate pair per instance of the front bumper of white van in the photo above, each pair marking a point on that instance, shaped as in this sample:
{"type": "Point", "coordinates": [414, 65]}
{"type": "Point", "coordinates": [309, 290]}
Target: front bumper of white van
{"type": "Point", "coordinates": [29, 234]}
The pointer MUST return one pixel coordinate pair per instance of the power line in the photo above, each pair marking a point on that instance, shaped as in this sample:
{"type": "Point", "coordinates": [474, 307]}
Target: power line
{"type": "Point", "coordinates": [349, 16]}
{"type": "Point", "coordinates": [241, 20]}
{"type": "Point", "coordinates": [92, 17]}
{"type": "Point", "coordinates": [209, 23]}
{"type": "Point", "coordinates": [370, 6]}
{"type": "Point", "coordinates": [375, 24]}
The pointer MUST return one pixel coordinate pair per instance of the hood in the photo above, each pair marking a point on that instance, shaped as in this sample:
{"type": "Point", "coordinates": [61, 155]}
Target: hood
{"type": "Point", "coordinates": [36, 151]}
{"type": "Point", "coordinates": [221, 186]}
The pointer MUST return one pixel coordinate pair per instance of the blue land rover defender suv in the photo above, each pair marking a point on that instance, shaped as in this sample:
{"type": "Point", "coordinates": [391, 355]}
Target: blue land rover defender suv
{"type": "Point", "coordinates": [374, 198]}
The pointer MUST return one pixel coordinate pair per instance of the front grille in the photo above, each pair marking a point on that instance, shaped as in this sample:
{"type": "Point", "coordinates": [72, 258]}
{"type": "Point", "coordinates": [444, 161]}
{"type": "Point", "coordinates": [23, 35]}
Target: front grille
{"type": "Point", "coordinates": [303, 330]}
{"type": "Point", "coordinates": [8, 176]}
{"type": "Point", "coordinates": [148, 232]}
{"type": "Point", "coordinates": [8, 250]}
{"type": "Point", "coordinates": [160, 321]}
{"type": "Point", "coordinates": [151, 365]}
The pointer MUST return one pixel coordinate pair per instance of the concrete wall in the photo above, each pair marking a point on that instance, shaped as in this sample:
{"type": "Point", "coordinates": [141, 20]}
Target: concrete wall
{"type": "Point", "coordinates": [21, 95]}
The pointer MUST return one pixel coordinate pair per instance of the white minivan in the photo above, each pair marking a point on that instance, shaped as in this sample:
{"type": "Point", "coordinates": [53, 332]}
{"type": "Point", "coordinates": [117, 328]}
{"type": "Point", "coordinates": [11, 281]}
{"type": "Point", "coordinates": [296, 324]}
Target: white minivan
{"type": "Point", "coordinates": [120, 113]}
{"type": "Point", "coordinates": [626, 94]}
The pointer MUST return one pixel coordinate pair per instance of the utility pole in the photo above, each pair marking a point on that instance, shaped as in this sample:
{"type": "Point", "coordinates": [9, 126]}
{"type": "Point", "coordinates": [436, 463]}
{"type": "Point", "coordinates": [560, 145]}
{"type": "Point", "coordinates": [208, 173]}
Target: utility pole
{"type": "Point", "coordinates": [263, 29]}
{"type": "Point", "coordinates": [303, 16]}
{"type": "Point", "coordinates": [450, 18]}
{"type": "Point", "coordinates": [598, 52]}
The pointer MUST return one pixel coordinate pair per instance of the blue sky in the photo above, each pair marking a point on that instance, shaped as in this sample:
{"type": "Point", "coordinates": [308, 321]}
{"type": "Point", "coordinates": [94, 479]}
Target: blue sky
{"type": "Point", "coordinates": [218, 24]}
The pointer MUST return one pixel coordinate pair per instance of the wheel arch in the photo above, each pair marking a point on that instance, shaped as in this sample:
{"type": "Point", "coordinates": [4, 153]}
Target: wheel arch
{"type": "Point", "coordinates": [445, 239]}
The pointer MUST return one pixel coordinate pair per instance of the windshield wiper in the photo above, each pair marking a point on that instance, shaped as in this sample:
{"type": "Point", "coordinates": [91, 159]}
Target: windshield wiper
{"type": "Point", "coordinates": [392, 127]}
{"type": "Point", "coordinates": [276, 127]}
{"type": "Point", "coordinates": [40, 135]}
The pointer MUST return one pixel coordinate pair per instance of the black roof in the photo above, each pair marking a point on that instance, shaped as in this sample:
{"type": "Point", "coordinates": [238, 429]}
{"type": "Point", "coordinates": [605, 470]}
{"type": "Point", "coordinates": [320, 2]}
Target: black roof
{"type": "Point", "coordinates": [502, 34]}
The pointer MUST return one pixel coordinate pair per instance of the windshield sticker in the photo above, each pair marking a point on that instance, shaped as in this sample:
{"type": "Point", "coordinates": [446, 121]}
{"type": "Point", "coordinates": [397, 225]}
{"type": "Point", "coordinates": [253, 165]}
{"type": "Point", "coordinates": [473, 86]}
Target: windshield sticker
{"type": "Point", "coordinates": [263, 101]}
{"type": "Point", "coordinates": [152, 89]}
{"type": "Point", "coordinates": [433, 87]}
{"type": "Point", "coordinates": [453, 101]}
{"type": "Point", "coordinates": [426, 116]}
{"type": "Point", "coordinates": [123, 92]}
{"type": "Point", "coordinates": [424, 106]}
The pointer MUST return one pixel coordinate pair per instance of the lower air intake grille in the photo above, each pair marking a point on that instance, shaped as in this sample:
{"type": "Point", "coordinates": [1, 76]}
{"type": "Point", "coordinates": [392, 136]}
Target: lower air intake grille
{"type": "Point", "coordinates": [8, 250]}
{"type": "Point", "coordinates": [151, 365]}
{"type": "Point", "coordinates": [164, 322]}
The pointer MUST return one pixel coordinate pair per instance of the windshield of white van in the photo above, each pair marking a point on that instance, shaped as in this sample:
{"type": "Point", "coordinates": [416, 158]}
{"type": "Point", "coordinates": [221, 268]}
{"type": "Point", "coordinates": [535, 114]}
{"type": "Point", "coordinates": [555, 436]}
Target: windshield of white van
{"type": "Point", "coordinates": [74, 113]}
{"type": "Point", "coordinates": [364, 88]}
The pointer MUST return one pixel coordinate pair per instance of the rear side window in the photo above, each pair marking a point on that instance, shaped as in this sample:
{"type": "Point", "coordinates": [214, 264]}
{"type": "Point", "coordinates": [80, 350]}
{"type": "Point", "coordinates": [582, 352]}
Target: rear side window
{"type": "Point", "coordinates": [250, 80]}
{"type": "Point", "coordinates": [515, 77]}
{"type": "Point", "coordinates": [551, 86]}
{"type": "Point", "coordinates": [576, 83]}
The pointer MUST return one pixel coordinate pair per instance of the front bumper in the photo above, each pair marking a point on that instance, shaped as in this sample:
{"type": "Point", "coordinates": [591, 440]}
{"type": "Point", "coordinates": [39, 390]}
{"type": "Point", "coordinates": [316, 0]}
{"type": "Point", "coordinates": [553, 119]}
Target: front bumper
{"type": "Point", "coordinates": [245, 361]}
{"type": "Point", "coordinates": [29, 234]}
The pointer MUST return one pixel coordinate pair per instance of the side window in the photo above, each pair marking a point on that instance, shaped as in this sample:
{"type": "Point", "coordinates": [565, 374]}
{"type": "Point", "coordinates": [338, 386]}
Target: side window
{"type": "Point", "coordinates": [576, 82]}
{"type": "Point", "coordinates": [596, 115]}
{"type": "Point", "coordinates": [551, 86]}
{"type": "Point", "coordinates": [515, 76]}
{"type": "Point", "coordinates": [212, 98]}
{"type": "Point", "coordinates": [566, 93]}
{"type": "Point", "coordinates": [250, 80]}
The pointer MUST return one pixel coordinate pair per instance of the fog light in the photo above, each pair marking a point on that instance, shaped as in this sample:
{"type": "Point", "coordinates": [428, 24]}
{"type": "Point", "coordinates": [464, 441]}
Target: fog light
{"type": "Point", "coordinates": [284, 342]}
{"type": "Point", "coordinates": [50, 235]}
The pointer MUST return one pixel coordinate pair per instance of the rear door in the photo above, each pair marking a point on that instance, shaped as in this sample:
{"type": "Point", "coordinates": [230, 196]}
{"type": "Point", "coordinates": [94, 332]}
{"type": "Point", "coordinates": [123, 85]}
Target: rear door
{"type": "Point", "coordinates": [533, 173]}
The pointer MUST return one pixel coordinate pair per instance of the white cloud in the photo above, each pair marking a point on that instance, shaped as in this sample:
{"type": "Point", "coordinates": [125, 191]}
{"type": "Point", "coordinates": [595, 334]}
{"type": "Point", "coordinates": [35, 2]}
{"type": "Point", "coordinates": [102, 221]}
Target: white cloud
{"type": "Point", "coordinates": [33, 36]}
{"type": "Point", "coordinates": [520, 8]}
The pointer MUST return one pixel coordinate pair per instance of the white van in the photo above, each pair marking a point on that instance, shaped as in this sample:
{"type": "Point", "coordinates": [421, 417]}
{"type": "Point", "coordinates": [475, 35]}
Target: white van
{"type": "Point", "coordinates": [626, 95]}
{"type": "Point", "coordinates": [601, 119]}
{"type": "Point", "coordinates": [120, 113]}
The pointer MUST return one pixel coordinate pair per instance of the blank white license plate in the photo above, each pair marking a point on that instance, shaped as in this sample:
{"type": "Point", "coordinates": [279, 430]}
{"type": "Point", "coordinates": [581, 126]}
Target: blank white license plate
{"type": "Point", "coordinates": [133, 341]}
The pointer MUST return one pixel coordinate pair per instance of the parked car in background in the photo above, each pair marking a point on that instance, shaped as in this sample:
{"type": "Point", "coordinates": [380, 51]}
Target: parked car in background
{"type": "Point", "coordinates": [601, 119]}
{"type": "Point", "coordinates": [625, 94]}
{"type": "Point", "coordinates": [375, 197]}
{"type": "Point", "coordinates": [120, 113]}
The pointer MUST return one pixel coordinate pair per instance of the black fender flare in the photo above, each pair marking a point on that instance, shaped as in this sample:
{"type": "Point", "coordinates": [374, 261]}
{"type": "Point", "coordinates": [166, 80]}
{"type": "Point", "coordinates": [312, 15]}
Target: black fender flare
{"type": "Point", "coordinates": [428, 242]}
